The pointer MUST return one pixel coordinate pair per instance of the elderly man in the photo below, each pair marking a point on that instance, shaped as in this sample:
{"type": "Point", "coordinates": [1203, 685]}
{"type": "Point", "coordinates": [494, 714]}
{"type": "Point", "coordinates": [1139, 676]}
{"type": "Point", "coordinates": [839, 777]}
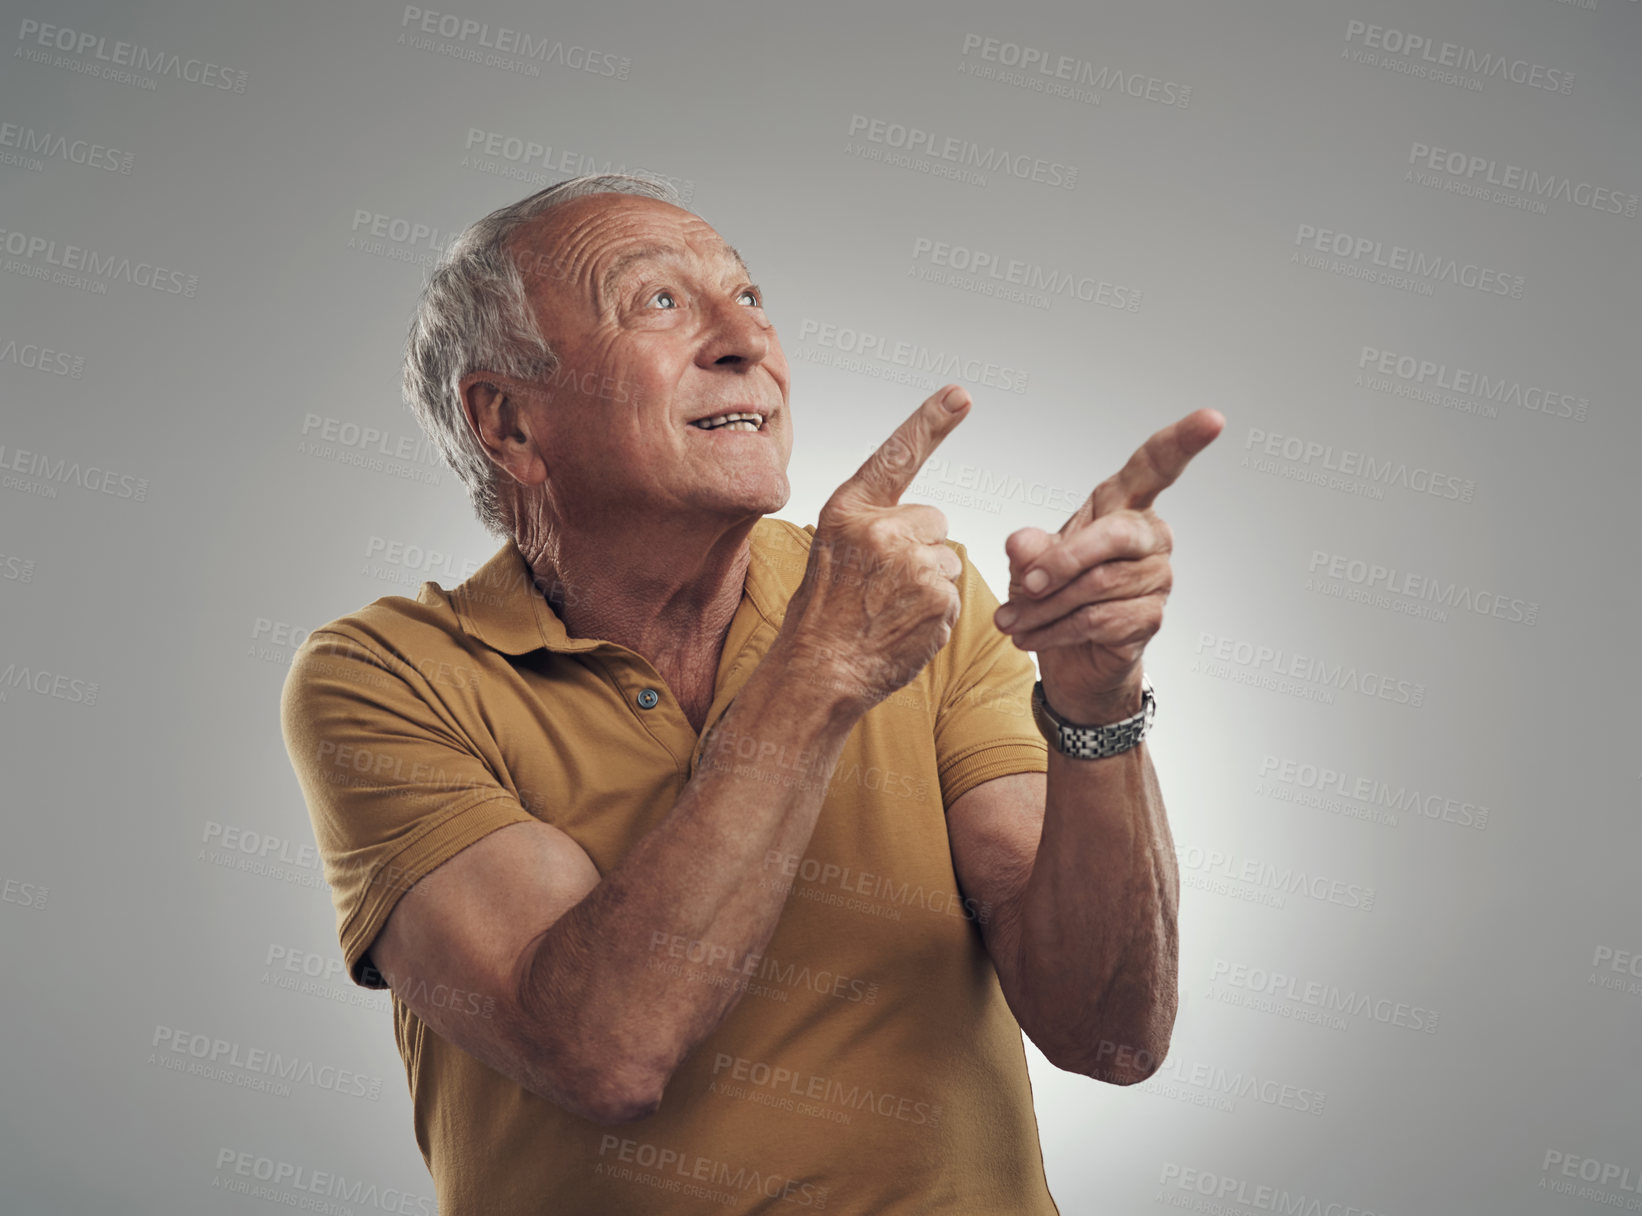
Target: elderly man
{"type": "Point", "coordinates": [713, 862]}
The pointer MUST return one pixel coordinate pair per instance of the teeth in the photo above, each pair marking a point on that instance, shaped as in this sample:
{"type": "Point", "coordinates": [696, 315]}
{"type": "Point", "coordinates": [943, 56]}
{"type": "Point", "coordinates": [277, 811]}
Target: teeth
{"type": "Point", "coordinates": [746, 422]}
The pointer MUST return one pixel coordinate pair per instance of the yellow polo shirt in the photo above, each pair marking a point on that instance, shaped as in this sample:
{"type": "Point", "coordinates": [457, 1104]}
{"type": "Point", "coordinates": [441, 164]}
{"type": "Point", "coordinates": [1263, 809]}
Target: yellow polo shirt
{"type": "Point", "coordinates": [872, 1065]}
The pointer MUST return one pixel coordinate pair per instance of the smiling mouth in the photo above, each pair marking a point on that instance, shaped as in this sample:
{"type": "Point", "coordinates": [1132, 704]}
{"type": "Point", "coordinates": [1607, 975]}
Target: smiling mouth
{"type": "Point", "coordinates": [740, 420]}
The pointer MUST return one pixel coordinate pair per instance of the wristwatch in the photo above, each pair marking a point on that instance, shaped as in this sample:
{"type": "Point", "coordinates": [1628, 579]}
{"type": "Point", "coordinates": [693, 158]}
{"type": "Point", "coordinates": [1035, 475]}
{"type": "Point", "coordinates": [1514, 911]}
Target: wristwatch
{"type": "Point", "coordinates": [1093, 742]}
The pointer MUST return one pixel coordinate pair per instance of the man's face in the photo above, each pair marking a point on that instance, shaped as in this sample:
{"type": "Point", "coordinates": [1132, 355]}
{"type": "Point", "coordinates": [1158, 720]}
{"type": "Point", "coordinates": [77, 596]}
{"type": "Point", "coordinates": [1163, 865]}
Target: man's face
{"type": "Point", "coordinates": [657, 327]}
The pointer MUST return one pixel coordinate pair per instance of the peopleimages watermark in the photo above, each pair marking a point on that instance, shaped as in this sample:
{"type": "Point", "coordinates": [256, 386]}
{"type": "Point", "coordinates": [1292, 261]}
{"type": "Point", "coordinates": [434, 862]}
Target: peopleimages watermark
{"type": "Point", "coordinates": [365, 665]}
{"type": "Point", "coordinates": [1612, 965]}
{"type": "Point", "coordinates": [1466, 173]}
{"type": "Point", "coordinates": [1186, 1183]}
{"type": "Point", "coordinates": [16, 569]}
{"type": "Point", "coordinates": [323, 976]}
{"type": "Point", "coordinates": [498, 46]}
{"type": "Point", "coordinates": [1347, 469]}
{"type": "Point", "coordinates": [1222, 1088]}
{"type": "Point", "coordinates": [110, 60]}
{"type": "Point", "coordinates": [1446, 62]}
{"type": "Point", "coordinates": [411, 457]}
{"type": "Point", "coordinates": [39, 358]}
{"type": "Point", "coordinates": [412, 564]}
{"type": "Point", "coordinates": [931, 362]}
{"type": "Point", "coordinates": [753, 972]}
{"type": "Point", "coordinates": [37, 473]}
{"type": "Point", "coordinates": [42, 682]}
{"type": "Point", "coordinates": [987, 489]}
{"type": "Point", "coordinates": [310, 1190]}
{"type": "Point", "coordinates": [299, 863]}
{"type": "Point", "coordinates": [1269, 879]}
{"type": "Point", "coordinates": [813, 1094]}
{"type": "Point", "coordinates": [531, 161]}
{"type": "Point", "coordinates": [1441, 383]}
{"type": "Point", "coordinates": [953, 156]}
{"type": "Point", "coordinates": [1305, 676]}
{"type": "Point", "coordinates": [746, 755]}
{"type": "Point", "coordinates": [883, 894]}
{"type": "Point", "coordinates": [275, 641]}
{"type": "Point", "coordinates": [1416, 595]}
{"type": "Point", "coordinates": [419, 991]}
{"type": "Point", "coordinates": [1014, 279]}
{"type": "Point", "coordinates": [1415, 270]}
{"type": "Point", "coordinates": [1289, 996]}
{"type": "Point", "coordinates": [1065, 76]}
{"type": "Point", "coordinates": [31, 145]}
{"type": "Point", "coordinates": [1560, 1165]}
{"type": "Point", "coordinates": [31, 895]}
{"type": "Point", "coordinates": [262, 845]}
{"type": "Point", "coordinates": [256, 1068]}
{"type": "Point", "coordinates": [303, 962]}
{"type": "Point", "coordinates": [398, 239]}
{"type": "Point", "coordinates": [693, 1175]}
{"type": "Point", "coordinates": [1355, 796]}
{"type": "Point", "coordinates": [86, 269]}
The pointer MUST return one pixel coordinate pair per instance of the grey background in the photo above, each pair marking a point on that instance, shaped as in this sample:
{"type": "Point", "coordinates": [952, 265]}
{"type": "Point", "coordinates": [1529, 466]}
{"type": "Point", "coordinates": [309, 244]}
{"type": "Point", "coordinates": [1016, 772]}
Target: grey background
{"type": "Point", "coordinates": [126, 917]}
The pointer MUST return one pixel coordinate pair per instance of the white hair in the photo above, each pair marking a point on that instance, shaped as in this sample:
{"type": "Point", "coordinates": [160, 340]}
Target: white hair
{"type": "Point", "coordinates": [474, 315]}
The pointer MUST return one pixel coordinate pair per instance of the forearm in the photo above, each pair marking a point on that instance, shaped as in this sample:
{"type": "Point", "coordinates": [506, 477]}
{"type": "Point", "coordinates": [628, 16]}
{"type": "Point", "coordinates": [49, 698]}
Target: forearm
{"type": "Point", "coordinates": [642, 969]}
{"type": "Point", "coordinates": [1090, 953]}
{"type": "Point", "coordinates": [1094, 949]}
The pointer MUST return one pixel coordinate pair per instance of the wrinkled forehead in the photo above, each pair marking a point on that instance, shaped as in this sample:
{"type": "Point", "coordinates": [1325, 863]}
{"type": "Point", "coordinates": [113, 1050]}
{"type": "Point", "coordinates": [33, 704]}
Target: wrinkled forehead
{"type": "Point", "coordinates": [592, 242]}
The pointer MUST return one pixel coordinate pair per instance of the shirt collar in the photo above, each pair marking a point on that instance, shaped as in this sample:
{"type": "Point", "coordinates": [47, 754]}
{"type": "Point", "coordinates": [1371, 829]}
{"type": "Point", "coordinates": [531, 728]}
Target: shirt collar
{"type": "Point", "coordinates": [504, 606]}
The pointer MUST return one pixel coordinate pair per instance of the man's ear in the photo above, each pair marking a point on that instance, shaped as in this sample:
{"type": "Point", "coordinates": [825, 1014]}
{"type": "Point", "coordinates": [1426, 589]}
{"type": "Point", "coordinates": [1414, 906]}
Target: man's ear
{"type": "Point", "coordinates": [498, 417]}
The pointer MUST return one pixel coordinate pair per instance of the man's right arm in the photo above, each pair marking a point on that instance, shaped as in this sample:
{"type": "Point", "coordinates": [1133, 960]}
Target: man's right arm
{"type": "Point", "coordinates": [579, 1005]}
{"type": "Point", "coordinates": [583, 1015]}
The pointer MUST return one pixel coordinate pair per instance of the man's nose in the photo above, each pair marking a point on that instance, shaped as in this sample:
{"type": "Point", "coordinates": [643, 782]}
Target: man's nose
{"type": "Point", "coordinates": [736, 335]}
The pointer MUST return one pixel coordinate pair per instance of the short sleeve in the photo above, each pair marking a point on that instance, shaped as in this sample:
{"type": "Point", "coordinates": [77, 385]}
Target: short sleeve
{"type": "Point", "coordinates": [392, 788]}
{"type": "Point", "coordinates": [983, 725]}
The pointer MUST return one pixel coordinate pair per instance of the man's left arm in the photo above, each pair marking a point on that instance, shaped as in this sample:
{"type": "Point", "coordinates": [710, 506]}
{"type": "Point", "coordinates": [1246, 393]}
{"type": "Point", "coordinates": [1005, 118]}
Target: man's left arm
{"type": "Point", "coordinates": [1078, 863]}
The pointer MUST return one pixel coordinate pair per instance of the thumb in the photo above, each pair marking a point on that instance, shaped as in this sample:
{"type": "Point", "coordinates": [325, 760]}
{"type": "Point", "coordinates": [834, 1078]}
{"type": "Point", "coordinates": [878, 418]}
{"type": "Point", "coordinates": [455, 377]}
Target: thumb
{"type": "Point", "coordinates": [1024, 547]}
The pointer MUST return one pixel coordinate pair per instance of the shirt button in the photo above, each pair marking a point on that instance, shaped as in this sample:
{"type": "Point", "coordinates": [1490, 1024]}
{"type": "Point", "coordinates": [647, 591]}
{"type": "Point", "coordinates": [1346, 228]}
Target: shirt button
{"type": "Point", "coordinates": [648, 698]}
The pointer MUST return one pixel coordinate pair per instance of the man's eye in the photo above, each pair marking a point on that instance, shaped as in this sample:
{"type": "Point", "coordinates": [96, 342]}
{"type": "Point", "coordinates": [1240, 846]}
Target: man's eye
{"type": "Point", "coordinates": [750, 296]}
{"type": "Point", "coordinates": [666, 297]}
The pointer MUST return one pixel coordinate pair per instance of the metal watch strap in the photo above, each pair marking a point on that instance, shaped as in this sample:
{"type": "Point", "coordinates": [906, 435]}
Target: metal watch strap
{"type": "Point", "coordinates": [1093, 742]}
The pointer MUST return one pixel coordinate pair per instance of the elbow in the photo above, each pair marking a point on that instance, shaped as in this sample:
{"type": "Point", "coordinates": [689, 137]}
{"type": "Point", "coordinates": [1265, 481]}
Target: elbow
{"type": "Point", "coordinates": [1129, 1049]}
{"type": "Point", "coordinates": [596, 1068]}
{"type": "Point", "coordinates": [1125, 1074]}
{"type": "Point", "coordinates": [608, 1087]}
{"type": "Point", "coordinates": [606, 1096]}
{"type": "Point", "coordinates": [613, 1105]}
{"type": "Point", "coordinates": [1112, 1062]}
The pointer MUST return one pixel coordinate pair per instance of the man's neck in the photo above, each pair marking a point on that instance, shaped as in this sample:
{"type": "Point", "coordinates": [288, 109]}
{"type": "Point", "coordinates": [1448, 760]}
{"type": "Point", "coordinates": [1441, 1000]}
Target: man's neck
{"type": "Point", "coordinates": [666, 593]}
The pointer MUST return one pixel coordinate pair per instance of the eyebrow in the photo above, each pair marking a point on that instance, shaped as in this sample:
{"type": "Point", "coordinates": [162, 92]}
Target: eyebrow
{"type": "Point", "coordinates": [647, 252]}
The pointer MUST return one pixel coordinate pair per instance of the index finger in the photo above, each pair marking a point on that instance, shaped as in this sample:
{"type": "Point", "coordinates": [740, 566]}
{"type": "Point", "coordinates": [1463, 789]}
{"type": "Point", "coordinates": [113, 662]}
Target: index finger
{"type": "Point", "coordinates": [1158, 462]}
{"type": "Point", "coordinates": [886, 474]}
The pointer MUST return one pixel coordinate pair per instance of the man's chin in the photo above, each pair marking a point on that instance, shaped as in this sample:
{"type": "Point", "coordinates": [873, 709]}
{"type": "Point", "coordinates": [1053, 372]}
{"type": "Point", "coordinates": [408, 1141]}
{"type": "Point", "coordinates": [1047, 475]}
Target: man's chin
{"type": "Point", "coordinates": [765, 501]}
